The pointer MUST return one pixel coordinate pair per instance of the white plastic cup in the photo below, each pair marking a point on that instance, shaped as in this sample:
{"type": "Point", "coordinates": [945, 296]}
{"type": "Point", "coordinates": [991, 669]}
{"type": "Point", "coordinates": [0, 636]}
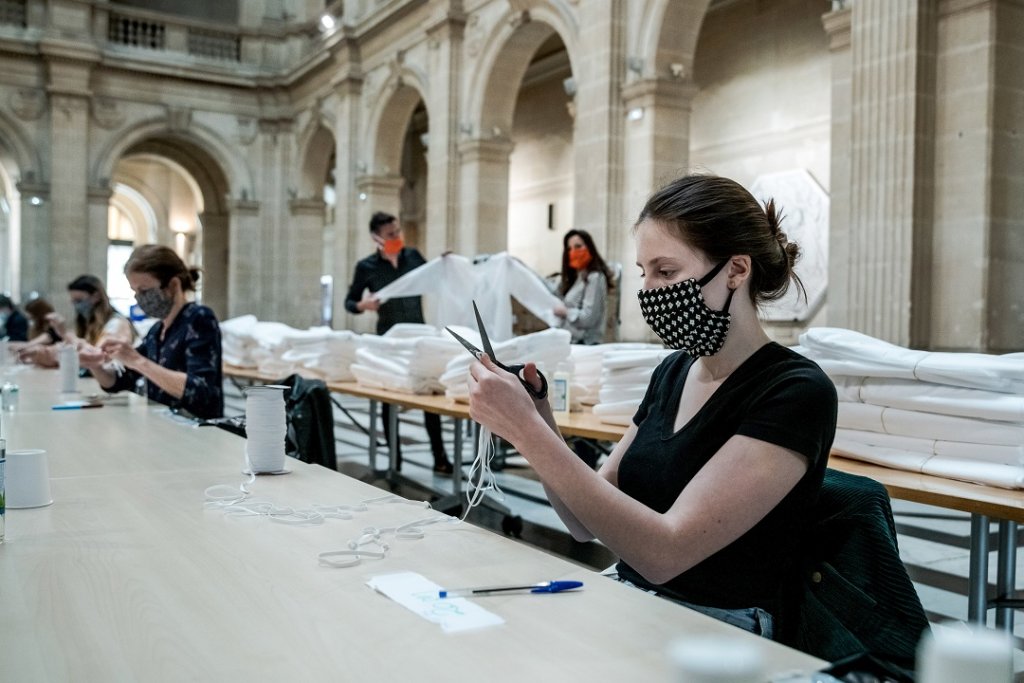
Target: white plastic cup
{"type": "Point", "coordinates": [27, 479]}
{"type": "Point", "coordinates": [68, 359]}
{"type": "Point", "coordinates": [953, 654]}
{"type": "Point", "coordinates": [716, 659]}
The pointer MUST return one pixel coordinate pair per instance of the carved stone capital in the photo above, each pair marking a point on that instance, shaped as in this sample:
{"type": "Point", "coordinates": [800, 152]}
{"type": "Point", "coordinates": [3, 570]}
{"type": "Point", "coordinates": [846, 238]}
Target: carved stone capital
{"type": "Point", "coordinates": [28, 104]}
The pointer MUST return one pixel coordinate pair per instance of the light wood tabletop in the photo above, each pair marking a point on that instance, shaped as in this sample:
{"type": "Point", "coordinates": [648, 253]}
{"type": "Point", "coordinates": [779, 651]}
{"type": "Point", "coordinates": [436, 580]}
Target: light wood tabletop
{"type": "Point", "coordinates": [127, 576]}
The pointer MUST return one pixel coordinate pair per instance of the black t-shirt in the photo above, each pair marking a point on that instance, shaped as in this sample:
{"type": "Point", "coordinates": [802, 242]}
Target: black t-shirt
{"type": "Point", "coordinates": [374, 273]}
{"type": "Point", "coordinates": [776, 396]}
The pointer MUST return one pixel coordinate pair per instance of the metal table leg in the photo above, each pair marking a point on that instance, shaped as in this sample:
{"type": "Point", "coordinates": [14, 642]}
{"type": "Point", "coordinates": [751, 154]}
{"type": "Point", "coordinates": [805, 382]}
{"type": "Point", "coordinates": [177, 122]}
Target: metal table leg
{"type": "Point", "coordinates": [977, 582]}
{"type": "Point", "coordinates": [392, 440]}
{"type": "Point", "coordinates": [1006, 574]}
{"type": "Point", "coordinates": [457, 460]}
{"type": "Point", "coordinates": [373, 435]}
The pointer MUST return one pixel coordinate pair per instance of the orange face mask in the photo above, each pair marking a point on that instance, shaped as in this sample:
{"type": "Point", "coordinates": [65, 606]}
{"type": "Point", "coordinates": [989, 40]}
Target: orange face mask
{"type": "Point", "coordinates": [392, 247]}
{"type": "Point", "coordinates": [579, 258]}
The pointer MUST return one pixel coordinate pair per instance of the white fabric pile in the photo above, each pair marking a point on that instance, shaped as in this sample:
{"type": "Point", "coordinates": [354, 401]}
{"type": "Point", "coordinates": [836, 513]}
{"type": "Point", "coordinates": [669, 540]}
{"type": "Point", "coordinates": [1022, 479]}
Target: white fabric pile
{"type": "Point", "coordinates": [547, 347]}
{"type": "Point", "coordinates": [237, 342]}
{"type": "Point", "coordinates": [409, 358]}
{"type": "Point", "coordinates": [457, 282]}
{"type": "Point", "coordinates": [586, 374]}
{"type": "Point", "coordinates": [956, 415]}
{"type": "Point", "coordinates": [627, 370]}
{"type": "Point", "coordinates": [279, 350]}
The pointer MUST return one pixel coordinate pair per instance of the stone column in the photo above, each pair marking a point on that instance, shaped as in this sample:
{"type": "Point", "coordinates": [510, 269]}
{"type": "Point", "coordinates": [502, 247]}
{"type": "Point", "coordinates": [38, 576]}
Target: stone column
{"type": "Point", "coordinates": [484, 192]}
{"type": "Point", "coordinates": [277, 159]}
{"type": "Point", "coordinates": [599, 118]}
{"type": "Point", "coordinates": [99, 212]}
{"type": "Point", "coordinates": [245, 279]}
{"type": "Point", "coordinates": [444, 38]}
{"type": "Point", "coordinates": [216, 227]}
{"type": "Point", "coordinates": [348, 89]}
{"type": "Point", "coordinates": [657, 145]}
{"type": "Point", "coordinates": [68, 69]}
{"type": "Point", "coordinates": [891, 170]}
{"type": "Point", "coordinates": [303, 251]}
{"type": "Point", "coordinates": [840, 298]}
{"type": "Point", "coordinates": [35, 238]}
{"type": "Point", "coordinates": [1005, 315]}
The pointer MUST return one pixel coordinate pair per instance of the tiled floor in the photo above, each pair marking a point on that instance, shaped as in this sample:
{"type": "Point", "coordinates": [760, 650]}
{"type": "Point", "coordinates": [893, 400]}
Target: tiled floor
{"type": "Point", "coordinates": [933, 542]}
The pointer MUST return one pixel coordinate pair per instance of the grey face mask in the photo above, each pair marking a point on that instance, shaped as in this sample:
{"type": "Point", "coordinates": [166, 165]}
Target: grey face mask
{"type": "Point", "coordinates": [84, 308]}
{"type": "Point", "coordinates": [153, 302]}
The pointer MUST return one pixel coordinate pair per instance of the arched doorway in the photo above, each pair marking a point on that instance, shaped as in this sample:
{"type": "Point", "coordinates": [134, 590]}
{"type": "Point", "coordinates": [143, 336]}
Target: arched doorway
{"type": "Point", "coordinates": [542, 161]}
{"type": "Point", "coordinates": [168, 189]}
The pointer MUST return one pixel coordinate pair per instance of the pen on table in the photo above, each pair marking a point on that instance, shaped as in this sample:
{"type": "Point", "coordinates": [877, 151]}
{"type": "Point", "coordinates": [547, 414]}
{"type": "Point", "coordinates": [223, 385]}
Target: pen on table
{"type": "Point", "coordinates": [542, 587]}
{"type": "Point", "coordinates": [76, 406]}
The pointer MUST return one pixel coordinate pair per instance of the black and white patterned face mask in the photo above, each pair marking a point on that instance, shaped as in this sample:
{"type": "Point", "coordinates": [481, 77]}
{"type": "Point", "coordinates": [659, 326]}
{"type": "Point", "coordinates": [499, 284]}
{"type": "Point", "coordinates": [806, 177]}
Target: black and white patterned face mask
{"type": "Point", "coordinates": [677, 313]}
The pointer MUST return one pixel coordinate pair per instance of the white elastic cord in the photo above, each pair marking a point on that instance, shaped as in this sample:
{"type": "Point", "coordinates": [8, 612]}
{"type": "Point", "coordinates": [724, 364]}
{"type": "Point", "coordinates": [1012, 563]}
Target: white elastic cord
{"type": "Point", "coordinates": [374, 536]}
{"type": "Point", "coordinates": [481, 478]}
{"type": "Point", "coordinates": [224, 495]}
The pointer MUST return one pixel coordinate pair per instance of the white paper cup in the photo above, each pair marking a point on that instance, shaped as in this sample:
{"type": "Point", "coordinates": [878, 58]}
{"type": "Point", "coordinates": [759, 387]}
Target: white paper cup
{"type": "Point", "coordinates": [28, 479]}
{"type": "Point", "coordinates": [716, 659]}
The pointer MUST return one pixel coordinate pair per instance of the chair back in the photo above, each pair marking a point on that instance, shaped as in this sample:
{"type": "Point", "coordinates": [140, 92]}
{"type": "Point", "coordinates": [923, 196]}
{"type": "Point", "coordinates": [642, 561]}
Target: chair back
{"type": "Point", "coordinates": [855, 596]}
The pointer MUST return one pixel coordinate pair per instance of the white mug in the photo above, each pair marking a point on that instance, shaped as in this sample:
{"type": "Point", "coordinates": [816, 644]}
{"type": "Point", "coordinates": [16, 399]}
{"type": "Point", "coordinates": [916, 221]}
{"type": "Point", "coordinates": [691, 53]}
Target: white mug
{"type": "Point", "coordinates": [28, 479]}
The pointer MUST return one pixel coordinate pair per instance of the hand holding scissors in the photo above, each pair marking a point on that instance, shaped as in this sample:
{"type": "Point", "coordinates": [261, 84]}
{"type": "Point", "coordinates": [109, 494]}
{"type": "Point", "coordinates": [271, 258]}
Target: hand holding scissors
{"type": "Point", "coordinates": [516, 369]}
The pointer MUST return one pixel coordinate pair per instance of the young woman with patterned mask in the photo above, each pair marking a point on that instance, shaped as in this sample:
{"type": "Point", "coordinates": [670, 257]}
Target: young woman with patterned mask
{"type": "Point", "coordinates": [707, 497]}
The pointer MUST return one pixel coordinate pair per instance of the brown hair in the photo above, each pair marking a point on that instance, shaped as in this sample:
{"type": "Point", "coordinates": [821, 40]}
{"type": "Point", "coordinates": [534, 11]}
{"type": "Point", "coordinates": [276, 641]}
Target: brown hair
{"type": "Point", "coordinates": [91, 328]}
{"type": "Point", "coordinates": [597, 263]}
{"type": "Point", "coordinates": [720, 218]}
{"type": "Point", "coordinates": [162, 263]}
{"type": "Point", "coordinates": [37, 310]}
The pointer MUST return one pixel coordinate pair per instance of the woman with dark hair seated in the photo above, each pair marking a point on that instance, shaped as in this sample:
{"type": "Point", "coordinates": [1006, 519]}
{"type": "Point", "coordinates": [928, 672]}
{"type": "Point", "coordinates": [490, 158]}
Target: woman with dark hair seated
{"type": "Point", "coordinates": [180, 358]}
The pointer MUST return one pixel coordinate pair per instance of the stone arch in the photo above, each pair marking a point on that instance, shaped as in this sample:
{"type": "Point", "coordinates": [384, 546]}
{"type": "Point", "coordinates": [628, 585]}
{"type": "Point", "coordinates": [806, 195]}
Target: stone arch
{"type": "Point", "coordinates": [197, 145]}
{"type": "Point", "coordinates": [387, 126]}
{"type": "Point", "coordinates": [660, 43]}
{"type": "Point", "coordinates": [490, 100]}
{"type": "Point", "coordinates": [317, 144]}
{"type": "Point", "coordinates": [219, 173]}
{"type": "Point", "coordinates": [17, 152]}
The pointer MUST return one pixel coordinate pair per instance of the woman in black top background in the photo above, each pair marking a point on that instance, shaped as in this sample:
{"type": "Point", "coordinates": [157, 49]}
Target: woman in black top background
{"type": "Point", "coordinates": [707, 497]}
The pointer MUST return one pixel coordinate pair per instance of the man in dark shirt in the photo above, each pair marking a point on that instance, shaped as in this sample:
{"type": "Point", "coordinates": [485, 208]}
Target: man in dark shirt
{"type": "Point", "coordinates": [391, 261]}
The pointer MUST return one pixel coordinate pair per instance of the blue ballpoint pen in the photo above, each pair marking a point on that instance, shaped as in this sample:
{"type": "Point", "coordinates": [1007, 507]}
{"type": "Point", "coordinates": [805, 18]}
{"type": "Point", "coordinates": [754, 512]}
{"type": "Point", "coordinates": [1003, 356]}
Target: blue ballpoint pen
{"type": "Point", "coordinates": [542, 587]}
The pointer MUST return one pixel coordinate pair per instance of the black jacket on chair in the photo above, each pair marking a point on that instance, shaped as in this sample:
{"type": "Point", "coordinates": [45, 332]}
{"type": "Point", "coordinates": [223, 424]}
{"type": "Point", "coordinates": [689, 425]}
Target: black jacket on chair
{"type": "Point", "coordinates": [854, 596]}
{"type": "Point", "coordinates": [310, 415]}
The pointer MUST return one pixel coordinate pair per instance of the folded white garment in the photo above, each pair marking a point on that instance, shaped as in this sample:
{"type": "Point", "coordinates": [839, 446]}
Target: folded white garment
{"type": "Point", "coordinates": [623, 393]}
{"type": "Point", "coordinates": [845, 352]}
{"type": "Point", "coordinates": [1006, 455]}
{"type": "Point", "coordinates": [277, 368]}
{"type": "Point", "coordinates": [374, 378]}
{"type": "Point", "coordinates": [980, 472]}
{"type": "Point", "coordinates": [617, 408]}
{"type": "Point", "coordinates": [927, 425]}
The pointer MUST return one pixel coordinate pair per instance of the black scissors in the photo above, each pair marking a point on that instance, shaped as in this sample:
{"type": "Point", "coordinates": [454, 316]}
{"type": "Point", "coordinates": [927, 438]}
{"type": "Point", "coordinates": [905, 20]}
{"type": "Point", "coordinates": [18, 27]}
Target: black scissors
{"type": "Point", "coordinates": [516, 368]}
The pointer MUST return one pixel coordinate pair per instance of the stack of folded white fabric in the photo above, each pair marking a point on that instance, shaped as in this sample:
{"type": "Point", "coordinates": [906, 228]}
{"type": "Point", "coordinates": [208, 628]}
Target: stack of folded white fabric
{"type": "Point", "coordinates": [586, 374]}
{"type": "Point", "coordinates": [408, 358]}
{"type": "Point", "coordinates": [275, 340]}
{"type": "Point", "coordinates": [624, 379]}
{"type": "Point", "coordinates": [330, 358]}
{"type": "Point", "coordinates": [237, 342]}
{"type": "Point", "coordinates": [547, 348]}
{"type": "Point", "coordinates": [956, 415]}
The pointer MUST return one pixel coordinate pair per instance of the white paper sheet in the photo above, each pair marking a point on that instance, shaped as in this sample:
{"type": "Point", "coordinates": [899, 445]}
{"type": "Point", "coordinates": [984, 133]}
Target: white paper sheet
{"type": "Point", "coordinates": [418, 594]}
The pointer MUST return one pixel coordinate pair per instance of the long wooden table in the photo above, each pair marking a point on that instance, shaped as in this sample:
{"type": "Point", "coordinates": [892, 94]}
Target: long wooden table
{"type": "Point", "coordinates": [983, 503]}
{"type": "Point", "coordinates": [126, 576]}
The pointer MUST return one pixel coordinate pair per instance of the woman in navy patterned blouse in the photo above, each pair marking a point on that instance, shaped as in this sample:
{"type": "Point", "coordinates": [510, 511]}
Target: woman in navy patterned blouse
{"type": "Point", "coordinates": [180, 358]}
